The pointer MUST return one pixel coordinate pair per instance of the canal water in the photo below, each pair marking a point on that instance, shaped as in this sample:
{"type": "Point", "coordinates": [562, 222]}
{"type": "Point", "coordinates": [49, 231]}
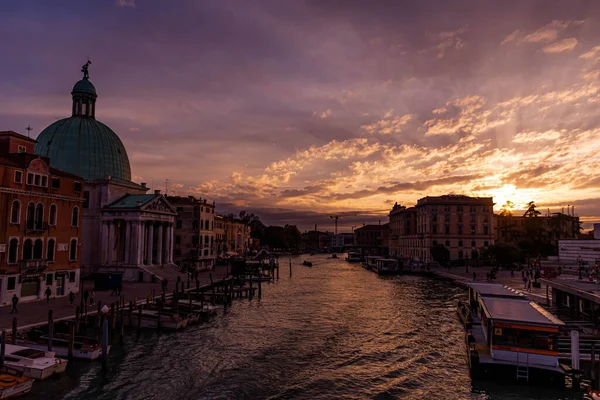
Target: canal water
{"type": "Point", "coordinates": [333, 331]}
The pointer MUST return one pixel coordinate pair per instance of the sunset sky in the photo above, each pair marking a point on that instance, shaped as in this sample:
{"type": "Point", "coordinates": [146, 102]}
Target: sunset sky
{"type": "Point", "coordinates": [301, 109]}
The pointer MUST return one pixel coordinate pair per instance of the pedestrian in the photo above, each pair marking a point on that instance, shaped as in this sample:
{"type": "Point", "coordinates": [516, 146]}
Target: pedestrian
{"type": "Point", "coordinates": [474, 276]}
{"type": "Point", "coordinates": [86, 295]}
{"type": "Point", "coordinates": [71, 297]}
{"type": "Point", "coordinates": [529, 286]}
{"type": "Point", "coordinates": [522, 273]}
{"type": "Point", "coordinates": [92, 295]}
{"type": "Point", "coordinates": [48, 292]}
{"type": "Point", "coordinates": [524, 283]}
{"type": "Point", "coordinates": [15, 300]}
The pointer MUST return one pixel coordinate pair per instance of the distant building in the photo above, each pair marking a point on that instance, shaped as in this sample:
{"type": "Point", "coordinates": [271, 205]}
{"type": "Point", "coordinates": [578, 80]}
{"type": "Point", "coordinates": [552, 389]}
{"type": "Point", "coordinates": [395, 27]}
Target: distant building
{"type": "Point", "coordinates": [547, 228]}
{"type": "Point", "coordinates": [194, 232]}
{"type": "Point", "coordinates": [342, 240]}
{"type": "Point", "coordinates": [586, 250]}
{"type": "Point", "coordinates": [219, 231]}
{"type": "Point", "coordinates": [316, 240]}
{"type": "Point", "coordinates": [237, 235]}
{"type": "Point", "coordinates": [40, 223]}
{"type": "Point", "coordinates": [461, 223]}
{"type": "Point", "coordinates": [369, 239]}
{"type": "Point", "coordinates": [123, 228]}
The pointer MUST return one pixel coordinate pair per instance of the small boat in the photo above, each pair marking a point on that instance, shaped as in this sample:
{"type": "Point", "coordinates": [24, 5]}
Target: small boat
{"type": "Point", "coordinates": [307, 264]}
{"type": "Point", "coordinates": [150, 318]}
{"type": "Point", "coordinates": [386, 266]}
{"type": "Point", "coordinates": [83, 347]}
{"type": "Point", "coordinates": [371, 262]}
{"type": "Point", "coordinates": [33, 363]}
{"type": "Point", "coordinates": [334, 255]}
{"type": "Point", "coordinates": [13, 383]}
{"type": "Point", "coordinates": [353, 257]}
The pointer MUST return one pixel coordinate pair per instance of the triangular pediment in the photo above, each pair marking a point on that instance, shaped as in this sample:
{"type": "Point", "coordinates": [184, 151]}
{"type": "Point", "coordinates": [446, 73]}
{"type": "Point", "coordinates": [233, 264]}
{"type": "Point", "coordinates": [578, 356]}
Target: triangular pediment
{"type": "Point", "coordinates": [159, 204]}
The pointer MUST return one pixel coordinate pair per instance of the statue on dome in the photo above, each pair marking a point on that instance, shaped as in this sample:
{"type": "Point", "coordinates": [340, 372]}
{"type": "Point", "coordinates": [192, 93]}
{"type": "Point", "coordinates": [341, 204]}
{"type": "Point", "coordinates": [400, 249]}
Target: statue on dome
{"type": "Point", "coordinates": [84, 69]}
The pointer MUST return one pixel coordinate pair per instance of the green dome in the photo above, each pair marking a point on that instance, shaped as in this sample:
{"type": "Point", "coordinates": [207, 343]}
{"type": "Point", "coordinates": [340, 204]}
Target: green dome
{"type": "Point", "coordinates": [84, 86]}
{"type": "Point", "coordinates": [85, 147]}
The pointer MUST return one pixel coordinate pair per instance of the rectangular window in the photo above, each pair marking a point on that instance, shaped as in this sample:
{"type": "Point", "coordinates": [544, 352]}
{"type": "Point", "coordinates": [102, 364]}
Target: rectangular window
{"type": "Point", "coordinates": [86, 199]}
{"type": "Point", "coordinates": [44, 181]}
{"type": "Point", "coordinates": [21, 149]}
{"type": "Point", "coordinates": [77, 187]}
{"type": "Point", "coordinates": [12, 283]}
{"type": "Point", "coordinates": [29, 178]}
{"type": "Point", "coordinates": [72, 276]}
{"type": "Point", "coordinates": [459, 217]}
{"type": "Point", "coordinates": [55, 183]}
{"type": "Point", "coordinates": [485, 230]}
{"type": "Point", "coordinates": [177, 252]}
{"type": "Point", "coordinates": [48, 279]}
{"type": "Point", "coordinates": [177, 239]}
{"type": "Point", "coordinates": [447, 230]}
{"type": "Point", "coordinates": [460, 230]}
{"type": "Point", "coordinates": [179, 224]}
{"type": "Point", "coordinates": [37, 180]}
{"type": "Point", "coordinates": [472, 230]}
{"type": "Point", "coordinates": [434, 229]}
{"type": "Point", "coordinates": [18, 176]}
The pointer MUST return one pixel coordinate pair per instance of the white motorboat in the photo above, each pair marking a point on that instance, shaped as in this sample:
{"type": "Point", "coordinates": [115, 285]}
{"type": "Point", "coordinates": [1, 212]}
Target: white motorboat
{"type": "Point", "coordinates": [33, 363]}
{"type": "Point", "coordinates": [83, 347]}
{"type": "Point", "coordinates": [13, 383]}
{"type": "Point", "coordinates": [150, 318]}
{"type": "Point", "coordinates": [386, 266]}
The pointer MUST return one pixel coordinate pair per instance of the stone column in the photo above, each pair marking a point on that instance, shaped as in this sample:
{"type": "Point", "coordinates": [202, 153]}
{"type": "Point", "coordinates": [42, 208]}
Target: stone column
{"type": "Point", "coordinates": [172, 243]}
{"type": "Point", "coordinates": [141, 240]}
{"type": "Point", "coordinates": [104, 243]}
{"type": "Point", "coordinates": [165, 256]}
{"type": "Point", "coordinates": [159, 242]}
{"type": "Point", "coordinates": [150, 244]}
{"type": "Point", "coordinates": [111, 242]}
{"type": "Point", "coordinates": [132, 244]}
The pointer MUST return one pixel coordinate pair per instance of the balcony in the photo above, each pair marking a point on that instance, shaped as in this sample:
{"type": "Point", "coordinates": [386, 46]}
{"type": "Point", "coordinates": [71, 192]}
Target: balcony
{"type": "Point", "coordinates": [32, 266]}
{"type": "Point", "coordinates": [36, 228]}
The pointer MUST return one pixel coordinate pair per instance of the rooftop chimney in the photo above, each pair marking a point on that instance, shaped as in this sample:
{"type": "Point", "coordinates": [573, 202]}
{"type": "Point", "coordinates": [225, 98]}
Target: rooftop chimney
{"type": "Point", "coordinates": [143, 184]}
{"type": "Point", "coordinates": [156, 191]}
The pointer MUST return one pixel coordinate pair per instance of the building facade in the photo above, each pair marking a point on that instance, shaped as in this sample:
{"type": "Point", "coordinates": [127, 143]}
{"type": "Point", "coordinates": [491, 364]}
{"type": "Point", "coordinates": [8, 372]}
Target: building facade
{"type": "Point", "coordinates": [546, 228]}
{"type": "Point", "coordinates": [219, 231]}
{"type": "Point", "coordinates": [237, 234]}
{"type": "Point", "coordinates": [369, 239]}
{"type": "Point", "coordinates": [463, 224]}
{"type": "Point", "coordinates": [195, 245]}
{"type": "Point", "coordinates": [40, 218]}
{"type": "Point", "coordinates": [123, 228]}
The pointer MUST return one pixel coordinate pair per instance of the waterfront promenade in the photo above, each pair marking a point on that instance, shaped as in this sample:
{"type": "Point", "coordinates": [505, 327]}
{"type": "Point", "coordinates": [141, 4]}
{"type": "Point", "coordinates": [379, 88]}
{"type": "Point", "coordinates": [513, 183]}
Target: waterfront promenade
{"type": "Point", "coordinates": [36, 312]}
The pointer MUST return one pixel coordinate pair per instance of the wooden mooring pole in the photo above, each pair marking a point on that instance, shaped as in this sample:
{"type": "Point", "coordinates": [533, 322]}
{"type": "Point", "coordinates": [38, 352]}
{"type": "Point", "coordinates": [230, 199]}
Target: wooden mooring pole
{"type": "Point", "coordinates": [14, 331]}
{"type": "Point", "coordinates": [50, 330]}
{"type": "Point", "coordinates": [290, 266]}
{"type": "Point", "coordinates": [139, 322]}
{"type": "Point", "coordinates": [2, 348]}
{"type": "Point", "coordinates": [259, 286]}
{"type": "Point", "coordinates": [71, 339]}
{"type": "Point", "coordinates": [105, 345]}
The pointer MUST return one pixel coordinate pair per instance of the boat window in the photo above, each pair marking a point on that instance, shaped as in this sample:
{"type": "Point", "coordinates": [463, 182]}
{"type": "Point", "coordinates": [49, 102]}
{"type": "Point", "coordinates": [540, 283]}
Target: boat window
{"type": "Point", "coordinates": [30, 353]}
{"type": "Point", "coordinates": [525, 339]}
{"type": "Point", "coordinates": [10, 359]}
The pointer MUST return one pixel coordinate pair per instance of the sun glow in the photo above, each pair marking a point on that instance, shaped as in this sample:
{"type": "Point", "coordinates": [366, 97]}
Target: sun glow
{"type": "Point", "coordinates": [519, 197]}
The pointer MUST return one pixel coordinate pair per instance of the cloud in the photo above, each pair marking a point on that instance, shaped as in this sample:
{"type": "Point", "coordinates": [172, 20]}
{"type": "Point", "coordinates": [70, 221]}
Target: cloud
{"type": "Point", "coordinates": [593, 54]}
{"type": "Point", "coordinates": [445, 41]}
{"type": "Point", "coordinates": [561, 46]}
{"type": "Point", "coordinates": [325, 114]}
{"type": "Point", "coordinates": [547, 33]}
{"type": "Point", "coordinates": [126, 3]}
{"type": "Point", "coordinates": [388, 124]}
{"type": "Point", "coordinates": [534, 136]}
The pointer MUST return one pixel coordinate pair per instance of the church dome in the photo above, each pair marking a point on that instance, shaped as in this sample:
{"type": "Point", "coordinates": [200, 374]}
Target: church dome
{"type": "Point", "coordinates": [80, 144]}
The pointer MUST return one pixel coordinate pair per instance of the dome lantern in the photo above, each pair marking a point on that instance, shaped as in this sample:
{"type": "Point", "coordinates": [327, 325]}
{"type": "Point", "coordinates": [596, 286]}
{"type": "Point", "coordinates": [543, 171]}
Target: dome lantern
{"type": "Point", "coordinates": [84, 95]}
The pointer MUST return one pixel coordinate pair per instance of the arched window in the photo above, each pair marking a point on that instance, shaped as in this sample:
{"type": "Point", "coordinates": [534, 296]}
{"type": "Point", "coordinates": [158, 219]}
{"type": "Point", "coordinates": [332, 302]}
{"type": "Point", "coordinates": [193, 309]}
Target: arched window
{"type": "Point", "coordinates": [75, 217]}
{"type": "Point", "coordinates": [27, 249]}
{"type": "Point", "coordinates": [38, 249]}
{"type": "Point", "coordinates": [15, 214]}
{"type": "Point", "coordinates": [52, 216]}
{"type": "Point", "coordinates": [30, 215]}
{"type": "Point", "coordinates": [13, 249]}
{"type": "Point", "coordinates": [39, 216]}
{"type": "Point", "coordinates": [73, 250]}
{"type": "Point", "coordinates": [50, 252]}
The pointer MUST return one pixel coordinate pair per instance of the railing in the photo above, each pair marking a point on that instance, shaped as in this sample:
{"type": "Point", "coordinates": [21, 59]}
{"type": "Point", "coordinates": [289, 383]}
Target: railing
{"type": "Point", "coordinates": [32, 266]}
{"type": "Point", "coordinates": [36, 228]}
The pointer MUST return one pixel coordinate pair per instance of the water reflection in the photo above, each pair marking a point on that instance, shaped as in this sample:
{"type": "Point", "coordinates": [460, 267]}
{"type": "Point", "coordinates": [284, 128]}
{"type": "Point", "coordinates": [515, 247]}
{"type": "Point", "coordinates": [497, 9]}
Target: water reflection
{"type": "Point", "coordinates": [332, 331]}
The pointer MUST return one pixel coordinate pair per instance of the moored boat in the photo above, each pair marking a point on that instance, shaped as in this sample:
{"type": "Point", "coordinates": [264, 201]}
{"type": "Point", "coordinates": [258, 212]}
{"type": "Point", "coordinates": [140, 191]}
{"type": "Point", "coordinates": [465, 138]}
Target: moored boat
{"type": "Point", "coordinates": [371, 262]}
{"type": "Point", "coordinates": [334, 255]}
{"type": "Point", "coordinates": [83, 347]}
{"type": "Point", "coordinates": [353, 257]}
{"type": "Point", "coordinates": [386, 266]}
{"type": "Point", "coordinates": [36, 364]}
{"type": "Point", "coordinates": [13, 383]}
{"type": "Point", "coordinates": [150, 319]}
{"type": "Point", "coordinates": [307, 263]}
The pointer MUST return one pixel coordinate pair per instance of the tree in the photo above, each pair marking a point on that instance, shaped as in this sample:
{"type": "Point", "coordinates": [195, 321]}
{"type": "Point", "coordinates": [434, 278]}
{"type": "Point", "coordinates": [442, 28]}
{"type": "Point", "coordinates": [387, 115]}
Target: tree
{"type": "Point", "coordinates": [293, 236]}
{"type": "Point", "coordinates": [506, 209]}
{"type": "Point", "coordinates": [503, 253]}
{"type": "Point", "coordinates": [274, 237]}
{"type": "Point", "coordinates": [440, 254]}
{"type": "Point", "coordinates": [531, 211]}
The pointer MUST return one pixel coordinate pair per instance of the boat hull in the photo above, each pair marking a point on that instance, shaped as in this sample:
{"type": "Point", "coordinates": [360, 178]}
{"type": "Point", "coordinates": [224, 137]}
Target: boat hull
{"type": "Point", "coordinates": [17, 390]}
{"type": "Point", "coordinates": [63, 352]}
{"type": "Point", "coordinates": [40, 373]}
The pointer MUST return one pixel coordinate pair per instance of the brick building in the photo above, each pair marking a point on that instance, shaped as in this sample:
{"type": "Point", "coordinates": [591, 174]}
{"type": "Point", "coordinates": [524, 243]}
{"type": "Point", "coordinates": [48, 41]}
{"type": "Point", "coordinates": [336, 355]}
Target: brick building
{"type": "Point", "coordinates": [40, 218]}
{"type": "Point", "coordinates": [461, 223]}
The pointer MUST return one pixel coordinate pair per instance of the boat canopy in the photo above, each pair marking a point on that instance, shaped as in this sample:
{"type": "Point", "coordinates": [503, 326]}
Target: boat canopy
{"type": "Point", "coordinates": [518, 311]}
{"type": "Point", "coordinates": [495, 290]}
